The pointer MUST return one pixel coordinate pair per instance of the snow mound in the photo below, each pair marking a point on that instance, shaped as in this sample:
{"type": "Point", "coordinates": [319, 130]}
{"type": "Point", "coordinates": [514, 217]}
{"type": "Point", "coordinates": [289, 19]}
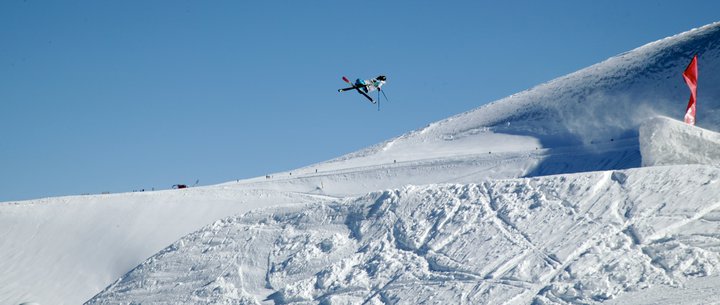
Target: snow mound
{"type": "Point", "coordinates": [571, 239]}
{"type": "Point", "coordinates": [665, 141]}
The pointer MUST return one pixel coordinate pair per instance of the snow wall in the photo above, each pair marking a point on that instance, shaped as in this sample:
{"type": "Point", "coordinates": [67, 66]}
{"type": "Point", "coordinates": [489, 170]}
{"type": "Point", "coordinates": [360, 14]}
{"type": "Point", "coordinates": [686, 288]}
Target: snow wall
{"type": "Point", "coordinates": [664, 141]}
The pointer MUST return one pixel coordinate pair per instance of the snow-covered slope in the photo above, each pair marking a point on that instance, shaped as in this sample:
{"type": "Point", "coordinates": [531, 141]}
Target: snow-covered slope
{"type": "Point", "coordinates": [579, 238]}
{"type": "Point", "coordinates": [602, 103]}
{"type": "Point", "coordinates": [65, 250]}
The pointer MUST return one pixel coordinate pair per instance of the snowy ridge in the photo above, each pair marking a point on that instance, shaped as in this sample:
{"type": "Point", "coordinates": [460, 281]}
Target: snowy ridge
{"type": "Point", "coordinates": [605, 101]}
{"type": "Point", "coordinates": [581, 238]}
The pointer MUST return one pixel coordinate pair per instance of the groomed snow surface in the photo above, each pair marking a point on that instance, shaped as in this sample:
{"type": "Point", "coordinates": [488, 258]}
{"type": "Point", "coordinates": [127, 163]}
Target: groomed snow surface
{"type": "Point", "coordinates": [582, 190]}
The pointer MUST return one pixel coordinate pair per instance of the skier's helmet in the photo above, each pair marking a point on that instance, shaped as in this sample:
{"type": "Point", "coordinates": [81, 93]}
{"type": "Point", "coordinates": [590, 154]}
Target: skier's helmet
{"type": "Point", "coordinates": [382, 78]}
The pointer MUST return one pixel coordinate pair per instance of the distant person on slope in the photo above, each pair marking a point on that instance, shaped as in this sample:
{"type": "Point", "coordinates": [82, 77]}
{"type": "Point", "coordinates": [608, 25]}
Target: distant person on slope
{"type": "Point", "coordinates": [371, 85]}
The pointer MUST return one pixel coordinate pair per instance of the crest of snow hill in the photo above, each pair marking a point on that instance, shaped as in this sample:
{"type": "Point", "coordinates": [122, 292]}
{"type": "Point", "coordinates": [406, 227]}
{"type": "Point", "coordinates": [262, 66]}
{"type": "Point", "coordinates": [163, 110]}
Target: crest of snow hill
{"type": "Point", "coordinates": [631, 205]}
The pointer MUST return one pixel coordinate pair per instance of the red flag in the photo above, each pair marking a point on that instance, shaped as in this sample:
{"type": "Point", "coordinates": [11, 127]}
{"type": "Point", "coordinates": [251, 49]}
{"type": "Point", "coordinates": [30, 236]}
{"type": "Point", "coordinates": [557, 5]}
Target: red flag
{"type": "Point", "coordinates": [691, 75]}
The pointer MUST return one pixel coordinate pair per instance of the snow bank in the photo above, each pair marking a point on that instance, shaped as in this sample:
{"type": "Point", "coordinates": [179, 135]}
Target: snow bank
{"type": "Point", "coordinates": [574, 239]}
{"type": "Point", "coordinates": [665, 141]}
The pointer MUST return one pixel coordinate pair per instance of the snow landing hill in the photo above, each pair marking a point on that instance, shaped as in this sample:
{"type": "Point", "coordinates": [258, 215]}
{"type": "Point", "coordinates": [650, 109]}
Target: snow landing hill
{"type": "Point", "coordinates": [582, 190]}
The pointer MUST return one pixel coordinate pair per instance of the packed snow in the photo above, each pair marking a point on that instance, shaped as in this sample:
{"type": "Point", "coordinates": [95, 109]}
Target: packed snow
{"type": "Point", "coordinates": [539, 197]}
{"type": "Point", "coordinates": [666, 142]}
{"type": "Point", "coordinates": [574, 238]}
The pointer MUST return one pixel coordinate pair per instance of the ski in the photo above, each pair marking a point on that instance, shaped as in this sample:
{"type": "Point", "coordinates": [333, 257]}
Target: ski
{"type": "Point", "coordinates": [356, 88]}
{"type": "Point", "coordinates": [349, 83]}
{"type": "Point", "coordinates": [365, 94]}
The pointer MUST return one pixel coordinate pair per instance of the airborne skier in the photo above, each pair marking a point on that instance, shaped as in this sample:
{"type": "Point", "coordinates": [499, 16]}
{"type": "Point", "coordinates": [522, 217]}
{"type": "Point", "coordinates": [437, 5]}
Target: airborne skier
{"type": "Point", "coordinates": [365, 86]}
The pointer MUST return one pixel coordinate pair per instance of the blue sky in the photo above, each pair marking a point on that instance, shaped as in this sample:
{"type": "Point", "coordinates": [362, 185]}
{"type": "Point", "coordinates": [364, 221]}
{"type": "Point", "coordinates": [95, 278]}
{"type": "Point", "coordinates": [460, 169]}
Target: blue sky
{"type": "Point", "coordinates": [116, 96]}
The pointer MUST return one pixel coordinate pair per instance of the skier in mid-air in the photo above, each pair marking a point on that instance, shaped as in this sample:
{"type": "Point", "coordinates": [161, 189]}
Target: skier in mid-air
{"type": "Point", "coordinates": [365, 86]}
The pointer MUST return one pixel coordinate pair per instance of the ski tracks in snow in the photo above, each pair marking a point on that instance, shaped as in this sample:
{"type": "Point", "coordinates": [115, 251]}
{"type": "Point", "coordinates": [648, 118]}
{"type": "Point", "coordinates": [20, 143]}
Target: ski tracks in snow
{"type": "Point", "coordinates": [514, 234]}
{"type": "Point", "coordinates": [513, 241]}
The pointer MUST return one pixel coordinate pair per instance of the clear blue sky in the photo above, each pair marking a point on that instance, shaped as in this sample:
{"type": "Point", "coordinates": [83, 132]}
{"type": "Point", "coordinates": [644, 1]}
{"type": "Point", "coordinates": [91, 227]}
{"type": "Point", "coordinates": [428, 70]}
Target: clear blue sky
{"type": "Point", "coordinates": [125, 95]}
